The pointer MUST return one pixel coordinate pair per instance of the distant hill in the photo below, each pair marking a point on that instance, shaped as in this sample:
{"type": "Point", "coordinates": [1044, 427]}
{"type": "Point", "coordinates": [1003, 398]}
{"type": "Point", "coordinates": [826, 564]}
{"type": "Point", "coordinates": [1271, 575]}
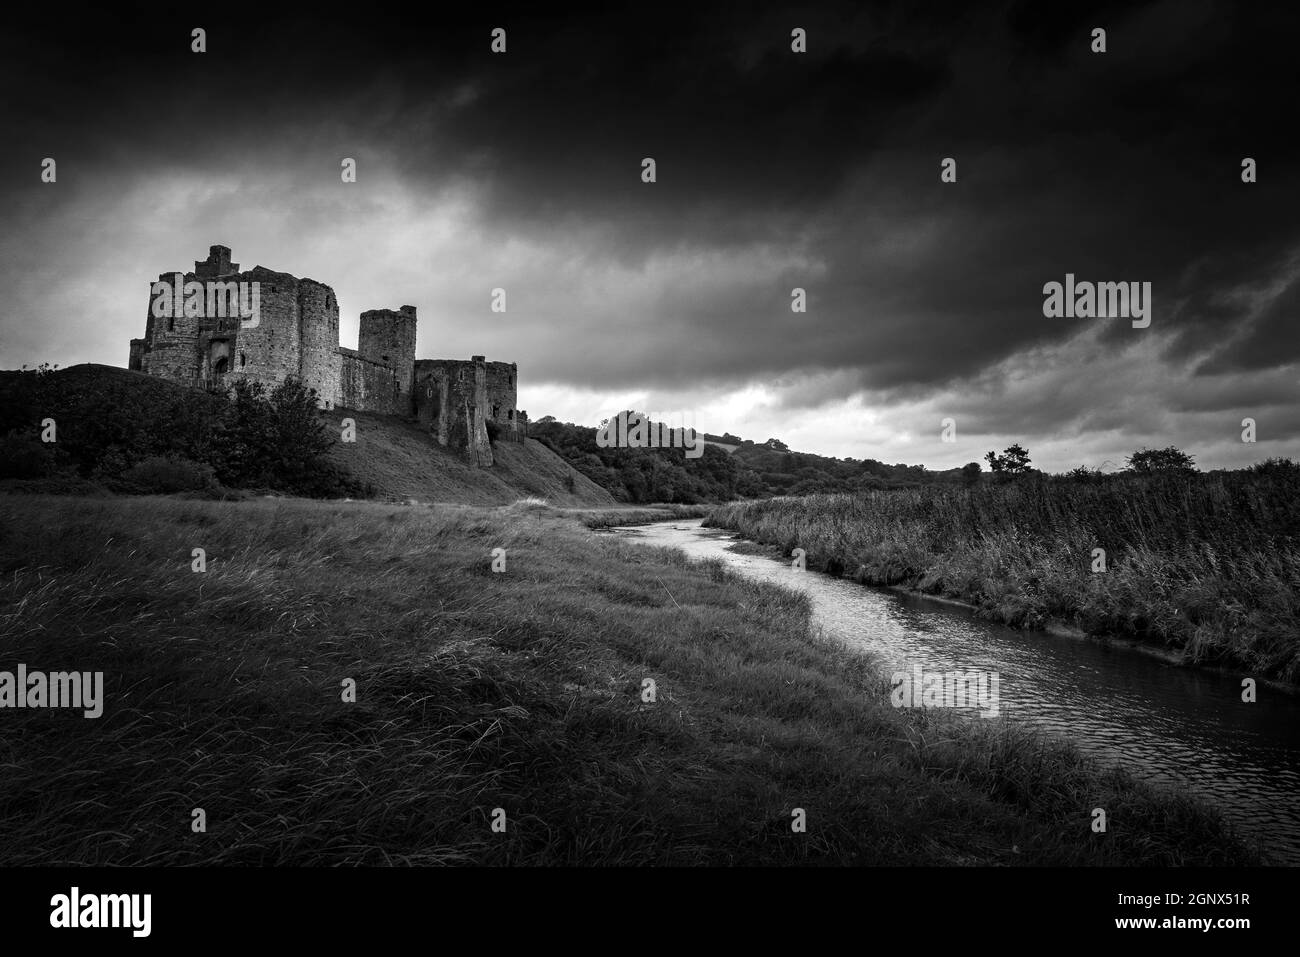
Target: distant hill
{"type": "Point", "coordinates": [642, 475]}
{"type": "Point", "coordinates": [783, 472]}
{"type": "Point", "coordinates": [730, 468]}
{"type": "Point", "coordinates": [121, 430]}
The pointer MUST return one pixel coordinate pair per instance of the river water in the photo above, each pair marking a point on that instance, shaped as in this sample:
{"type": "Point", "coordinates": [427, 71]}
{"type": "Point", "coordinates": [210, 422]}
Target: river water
{"type": "Point", "coordinates": [1165, 723]}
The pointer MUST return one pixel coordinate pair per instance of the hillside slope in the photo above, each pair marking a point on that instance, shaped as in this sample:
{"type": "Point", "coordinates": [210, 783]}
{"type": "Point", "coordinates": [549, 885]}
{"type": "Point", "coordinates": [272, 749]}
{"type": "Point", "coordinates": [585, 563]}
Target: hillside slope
{"type": "Point", "coordinates": [401, 461]}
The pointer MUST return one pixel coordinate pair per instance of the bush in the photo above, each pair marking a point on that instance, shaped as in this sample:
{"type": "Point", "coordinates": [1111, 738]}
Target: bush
{"type": "Point", "coordinates": [166, 475]}
{"type": "Point", "coordinates": [60, 483]}
{"type": "Point", "coordinates": [1277, 468]}
{"type": "Point", "coordinates": [1172, 459]}
{"type": "Point", "coordinates": [1082, 473]}
{"type": "Point", "coordinates": [25, 456]}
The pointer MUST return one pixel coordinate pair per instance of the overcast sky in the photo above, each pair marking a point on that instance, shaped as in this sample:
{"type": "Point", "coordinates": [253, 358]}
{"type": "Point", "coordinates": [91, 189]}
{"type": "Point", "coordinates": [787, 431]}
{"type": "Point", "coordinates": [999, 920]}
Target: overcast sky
{"type": "Point", "coordinates": [775, 170]}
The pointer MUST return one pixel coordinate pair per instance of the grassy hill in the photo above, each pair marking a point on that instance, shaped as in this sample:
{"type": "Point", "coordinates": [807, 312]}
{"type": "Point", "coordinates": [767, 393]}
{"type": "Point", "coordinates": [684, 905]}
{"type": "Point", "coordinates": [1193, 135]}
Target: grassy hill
{"type": "Point", "coordinates": [402, 462]}
{"type": "Point", "coordinates": [111, 420]}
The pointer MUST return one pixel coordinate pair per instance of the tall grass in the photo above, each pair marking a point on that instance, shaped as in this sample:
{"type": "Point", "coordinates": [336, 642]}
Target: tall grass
{"type": "Point", "coordinates": [520, 690]}
{"type": "Point", "coordinates": [1209, 564]}
{"type": "Point", "coordinates": [597, 517]}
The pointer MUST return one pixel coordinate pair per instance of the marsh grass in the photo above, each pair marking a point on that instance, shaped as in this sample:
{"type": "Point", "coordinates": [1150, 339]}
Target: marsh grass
{"type": "Point", "coordinates": [478, 690]}
{"type": "Point", "coordinates": [635, 514]}
{"type": "Point", "coordinates": [1207, 564]}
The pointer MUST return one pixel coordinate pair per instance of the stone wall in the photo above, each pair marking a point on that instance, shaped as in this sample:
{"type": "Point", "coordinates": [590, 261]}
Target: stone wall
{"type": "Point", "coordinates": [502, 399]}
{"type": "Point", "coordinates": [368, 386]}
{"type": "Point", "coordinates": [184, 346]}
{"type": "Point", "coordinates": [320, 364]}
{"type": "Point", "coordinates": [271, 351]}
{"type": "Point", "coordinates": [172, 341]}
{"type": "Point", "coordinates": [451, 401]}
{"type": "Point", "coordinates": [387, 337]}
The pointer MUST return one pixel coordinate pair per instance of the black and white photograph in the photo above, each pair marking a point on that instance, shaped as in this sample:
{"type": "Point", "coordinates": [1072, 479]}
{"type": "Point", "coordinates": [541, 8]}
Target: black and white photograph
{"type": "Point", "coordinates": [553, 452]}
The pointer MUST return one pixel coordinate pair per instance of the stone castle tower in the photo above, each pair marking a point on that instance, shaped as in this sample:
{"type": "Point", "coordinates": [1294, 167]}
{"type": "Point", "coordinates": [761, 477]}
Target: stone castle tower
{"type": "Point", "coordinates": [195, 334]}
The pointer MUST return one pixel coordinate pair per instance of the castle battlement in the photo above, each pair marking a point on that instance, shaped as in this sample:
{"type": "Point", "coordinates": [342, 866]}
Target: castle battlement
{"type": "Point", "coordinates": [295, 334]}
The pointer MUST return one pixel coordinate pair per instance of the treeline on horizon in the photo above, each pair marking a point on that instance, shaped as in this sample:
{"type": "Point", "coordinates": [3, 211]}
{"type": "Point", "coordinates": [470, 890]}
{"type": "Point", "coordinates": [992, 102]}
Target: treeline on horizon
{"type": "Point", "coordinates": [752, 470]}
{"type": "Point", "coordinates": [769, 469]}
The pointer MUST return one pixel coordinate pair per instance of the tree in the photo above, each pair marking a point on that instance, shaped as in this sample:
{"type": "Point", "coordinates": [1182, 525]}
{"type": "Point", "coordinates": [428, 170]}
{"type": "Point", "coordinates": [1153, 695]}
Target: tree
{"type": "Point", "coordinates": [1014, 460]}
{"type": "Point", "coordinates": [970, 473]}
{"type": "Point", "coordinates": [1171, 459]}
{"type": "Point", "coordinates": [274, 441]}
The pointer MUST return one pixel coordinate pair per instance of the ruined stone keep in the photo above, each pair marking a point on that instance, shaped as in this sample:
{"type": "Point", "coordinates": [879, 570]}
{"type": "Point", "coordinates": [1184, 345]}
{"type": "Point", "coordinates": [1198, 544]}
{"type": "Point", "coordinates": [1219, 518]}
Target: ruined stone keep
{"type": "Point", "coordinates": [296, 334]}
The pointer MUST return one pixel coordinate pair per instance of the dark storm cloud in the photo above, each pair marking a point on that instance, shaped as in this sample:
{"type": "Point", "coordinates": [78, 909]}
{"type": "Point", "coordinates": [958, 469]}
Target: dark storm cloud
{"type": "Point", "coordinates": [774, 171]}
{"type": "Point", "coordinates": [1271, 338]}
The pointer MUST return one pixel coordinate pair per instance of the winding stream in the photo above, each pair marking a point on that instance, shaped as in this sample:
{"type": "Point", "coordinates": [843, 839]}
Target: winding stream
{"type": "Point", "coordinates": [1176, 725]}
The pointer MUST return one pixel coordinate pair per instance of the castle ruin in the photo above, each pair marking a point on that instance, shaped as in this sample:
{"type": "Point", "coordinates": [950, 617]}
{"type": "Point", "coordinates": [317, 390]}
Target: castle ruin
{"type": "Point", "coordinates": [295, 333]}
